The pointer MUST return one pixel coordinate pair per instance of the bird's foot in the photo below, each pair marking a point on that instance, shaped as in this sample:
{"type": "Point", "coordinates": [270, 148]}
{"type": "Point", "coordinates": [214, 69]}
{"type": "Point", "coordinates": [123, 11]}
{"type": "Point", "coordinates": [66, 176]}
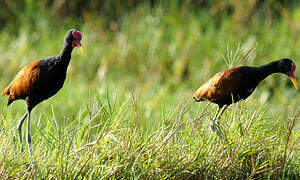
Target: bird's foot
{"type": "Point", "coordinates": [216, 128]}
{"type": "Point", "coordinates": [212, 127]}
{"type": "Point", "coordinates": [22, 149]}
{"type": "Point", "coordinates": [29, 165]}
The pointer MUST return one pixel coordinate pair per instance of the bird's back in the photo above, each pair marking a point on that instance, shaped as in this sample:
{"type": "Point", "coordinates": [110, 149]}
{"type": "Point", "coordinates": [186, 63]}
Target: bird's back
{"type": "Point", "coordinates": [24, 83]}
{"type": "Point", "coordinates": [38, 80]}
{"type": "Point", "coordinates": [225, 85]}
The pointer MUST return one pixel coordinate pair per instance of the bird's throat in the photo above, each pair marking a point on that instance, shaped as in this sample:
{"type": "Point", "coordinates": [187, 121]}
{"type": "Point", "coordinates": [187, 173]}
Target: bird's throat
{"type": "Point", "coordinates": [64, 56]}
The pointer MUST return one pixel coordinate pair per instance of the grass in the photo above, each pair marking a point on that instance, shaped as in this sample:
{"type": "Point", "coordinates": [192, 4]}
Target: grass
{"type": "Point", "coordinates": [105, 140]}
{"type": "Point", "coordinates": [126, 110]}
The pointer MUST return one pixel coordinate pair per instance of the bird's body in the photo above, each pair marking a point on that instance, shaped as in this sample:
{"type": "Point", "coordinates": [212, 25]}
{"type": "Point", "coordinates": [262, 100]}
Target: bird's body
{"type": "Point", "coordinates": [235, 84]}
{"type": "Point", "coordinates": [238, 83]}
{"type": "Point", "coordinates": [41, 79]}
{"type": "Point", "coordinates": [37, 81]}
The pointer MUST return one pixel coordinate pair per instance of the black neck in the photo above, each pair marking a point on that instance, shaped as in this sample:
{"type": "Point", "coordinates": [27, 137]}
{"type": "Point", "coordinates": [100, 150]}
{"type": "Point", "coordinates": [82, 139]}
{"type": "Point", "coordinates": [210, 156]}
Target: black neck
{"type": "Point", "coordinates": [64, 56]}
{"type": "Point", "coordinates": [268, 69]}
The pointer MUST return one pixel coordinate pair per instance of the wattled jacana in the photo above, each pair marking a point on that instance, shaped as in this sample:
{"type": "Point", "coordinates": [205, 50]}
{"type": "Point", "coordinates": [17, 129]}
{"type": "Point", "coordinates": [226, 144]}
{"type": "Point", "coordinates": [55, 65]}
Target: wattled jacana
{"type": "Point", "coordinates": [238, 83]}
{"type": "Point", "coordinates": [41, 79]}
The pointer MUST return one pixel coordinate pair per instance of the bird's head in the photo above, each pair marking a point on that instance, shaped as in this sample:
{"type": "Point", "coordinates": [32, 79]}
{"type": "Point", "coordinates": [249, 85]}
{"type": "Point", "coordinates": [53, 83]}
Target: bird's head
{"type": "Point", "coordinates": [74, 37]}
{"type": "Point", "coordinates": [288, 67]}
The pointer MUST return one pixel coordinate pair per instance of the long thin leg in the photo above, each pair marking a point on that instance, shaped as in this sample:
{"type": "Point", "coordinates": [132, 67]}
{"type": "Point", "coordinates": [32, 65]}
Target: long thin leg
{"type": "Point", "coordinates": [217, 116]}
{"type": "Point", "coordinates": [28, 135]}
{"type": "Point", "coordinates": [222, 109]}
{"type": "Point", "coordinates": [20, 123]}
{"type": "Point", "coordinates": [212, 123]}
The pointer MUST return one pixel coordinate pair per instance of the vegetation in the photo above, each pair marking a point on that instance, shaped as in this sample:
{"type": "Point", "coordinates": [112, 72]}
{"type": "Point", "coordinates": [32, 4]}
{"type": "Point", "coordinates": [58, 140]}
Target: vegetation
{"type": "Point", "coordinates": [126, 109]}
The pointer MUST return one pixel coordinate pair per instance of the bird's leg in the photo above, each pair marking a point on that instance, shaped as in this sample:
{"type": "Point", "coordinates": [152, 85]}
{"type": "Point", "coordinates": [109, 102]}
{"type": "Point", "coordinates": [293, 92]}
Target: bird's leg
{"type": "Point", "coordinates": [28, 135]}
{"type": "Point", "coordinates": [217, 116]}
{"type": "Point", "coordinates": [20, 123]}
{"type": "Point", "coordinates": [222, 109]}
{"type": "Point", "coordinates": [212, 124]}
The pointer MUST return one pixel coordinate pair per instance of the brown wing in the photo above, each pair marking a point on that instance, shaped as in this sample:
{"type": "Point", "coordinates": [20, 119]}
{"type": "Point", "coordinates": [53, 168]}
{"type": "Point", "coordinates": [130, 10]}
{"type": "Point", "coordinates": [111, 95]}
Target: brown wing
{"type": "Point", "coordinates": [24, 83]}
{"type": "Point", "coordinates": [220, 86]}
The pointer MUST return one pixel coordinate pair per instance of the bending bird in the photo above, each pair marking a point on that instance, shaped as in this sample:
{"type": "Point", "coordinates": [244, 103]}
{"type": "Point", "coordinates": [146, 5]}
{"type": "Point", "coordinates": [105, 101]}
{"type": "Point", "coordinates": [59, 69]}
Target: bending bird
{"type": "Point", "coordinates": [41, 79]}
{"type": "Point", "coordinates": [238, 83]}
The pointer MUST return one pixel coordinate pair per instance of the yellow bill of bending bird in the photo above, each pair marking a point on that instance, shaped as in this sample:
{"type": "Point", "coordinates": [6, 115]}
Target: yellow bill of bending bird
{"type": "Point", "coordinates": [81, 48]}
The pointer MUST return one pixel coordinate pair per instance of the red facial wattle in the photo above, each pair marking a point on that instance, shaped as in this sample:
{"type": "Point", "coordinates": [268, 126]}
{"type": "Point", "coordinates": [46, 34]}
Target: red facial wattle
{"type": "Point", "coordinates": [76, 43]}
{"type": "Point", "coordinates": [77, 38]}
{"type": "Point", "coordinates": [292, 75]}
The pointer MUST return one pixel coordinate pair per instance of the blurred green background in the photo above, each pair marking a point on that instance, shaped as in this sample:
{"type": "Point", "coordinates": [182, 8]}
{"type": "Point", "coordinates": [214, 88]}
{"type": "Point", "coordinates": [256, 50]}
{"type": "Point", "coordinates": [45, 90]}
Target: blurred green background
{"type": "Point", "coordinates": [160, 52]}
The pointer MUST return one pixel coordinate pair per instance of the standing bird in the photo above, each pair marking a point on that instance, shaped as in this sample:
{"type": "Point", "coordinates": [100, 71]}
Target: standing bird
{"type": "Point", "coordinates": [41, 79]}
{"type": "Point", "coordinates": [238, 83]}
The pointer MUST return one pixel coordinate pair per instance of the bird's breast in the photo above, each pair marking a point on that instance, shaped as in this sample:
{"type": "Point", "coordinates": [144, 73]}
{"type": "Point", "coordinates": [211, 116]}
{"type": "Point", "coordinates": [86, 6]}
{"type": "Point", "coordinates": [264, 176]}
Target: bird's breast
{"type": "Point", "coordinates": [50, 83]}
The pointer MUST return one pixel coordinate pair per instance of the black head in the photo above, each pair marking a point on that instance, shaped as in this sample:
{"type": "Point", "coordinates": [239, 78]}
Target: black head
{"type": "Point", "coordinates": [288, 67]}
{"type": "Point", "coordinates": [73, 37]}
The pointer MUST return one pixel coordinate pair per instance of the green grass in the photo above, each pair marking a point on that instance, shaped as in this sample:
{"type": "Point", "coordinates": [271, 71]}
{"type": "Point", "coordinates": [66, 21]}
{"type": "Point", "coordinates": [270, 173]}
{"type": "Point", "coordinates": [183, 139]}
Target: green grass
{"type": "Point", "coordinates": [126, 109]}
{"type": "Point", "coordinates": [106, 140]}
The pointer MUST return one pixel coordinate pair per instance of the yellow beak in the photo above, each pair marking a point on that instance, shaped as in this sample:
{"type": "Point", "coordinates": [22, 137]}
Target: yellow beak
{"type": "Point", "coordinates": [294, 82]}
{"type": "Point", "coordinates": [81, 48]}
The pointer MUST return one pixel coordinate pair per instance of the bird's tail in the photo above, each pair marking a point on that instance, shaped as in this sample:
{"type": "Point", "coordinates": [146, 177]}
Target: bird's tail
{"type": "Point", "coordinates": [6, 91]}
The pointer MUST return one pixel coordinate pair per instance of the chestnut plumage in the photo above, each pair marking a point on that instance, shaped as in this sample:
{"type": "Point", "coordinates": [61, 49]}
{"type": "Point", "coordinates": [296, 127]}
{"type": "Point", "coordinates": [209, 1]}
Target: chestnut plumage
{"type": "Point", "coordinates": [41, 79]}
